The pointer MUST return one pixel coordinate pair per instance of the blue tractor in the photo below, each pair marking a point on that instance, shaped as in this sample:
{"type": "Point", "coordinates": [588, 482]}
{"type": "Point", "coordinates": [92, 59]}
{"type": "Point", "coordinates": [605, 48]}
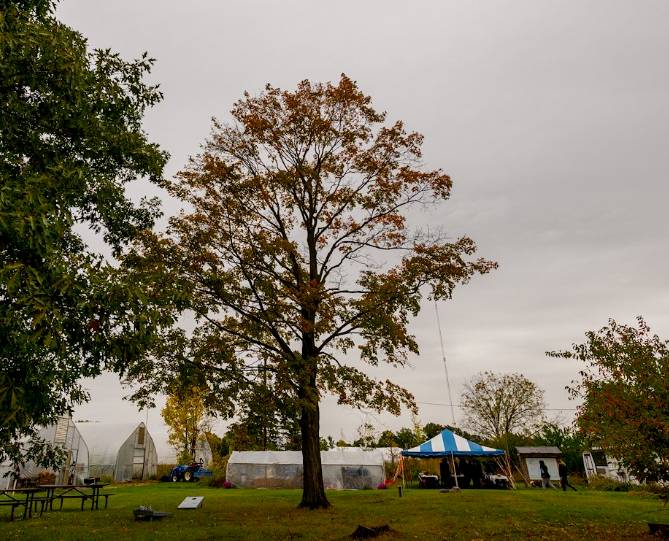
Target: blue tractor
{"type": "Point", "coordinates": [190, 472]}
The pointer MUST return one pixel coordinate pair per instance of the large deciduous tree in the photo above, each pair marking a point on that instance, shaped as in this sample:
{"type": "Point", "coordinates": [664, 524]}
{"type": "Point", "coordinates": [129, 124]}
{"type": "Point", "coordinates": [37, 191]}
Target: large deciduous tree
{"type": "Point", "coordinates": [625, 391]}
{"type": "Point", "coordinates": [298, 254]}
{"type": "Point", "coordinates": [496, 405]}
{"type": "Point", "coordinates": [70, 139]}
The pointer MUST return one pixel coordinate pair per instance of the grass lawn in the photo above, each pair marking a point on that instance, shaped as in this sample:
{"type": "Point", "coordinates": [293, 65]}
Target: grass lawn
{"type": "Point", "coordinates": [420, 514]}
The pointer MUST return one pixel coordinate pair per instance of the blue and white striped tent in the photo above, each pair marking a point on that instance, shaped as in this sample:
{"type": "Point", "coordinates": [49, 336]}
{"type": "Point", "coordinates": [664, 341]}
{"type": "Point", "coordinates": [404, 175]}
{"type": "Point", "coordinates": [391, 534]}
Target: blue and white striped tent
{"type": "Point", "coordinates": [449, 444]}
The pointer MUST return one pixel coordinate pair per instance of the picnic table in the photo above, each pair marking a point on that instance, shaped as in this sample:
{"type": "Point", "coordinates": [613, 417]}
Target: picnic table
{"type": "Point", "coordinates": [19, 497]}
{"type": "Point", "coordinates": [90, 492]}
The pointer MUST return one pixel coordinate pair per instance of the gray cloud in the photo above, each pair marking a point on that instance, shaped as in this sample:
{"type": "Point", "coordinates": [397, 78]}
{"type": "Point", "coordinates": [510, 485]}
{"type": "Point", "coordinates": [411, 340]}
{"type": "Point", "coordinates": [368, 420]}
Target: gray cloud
{"type": "Point", "coordinates": [551, 117]}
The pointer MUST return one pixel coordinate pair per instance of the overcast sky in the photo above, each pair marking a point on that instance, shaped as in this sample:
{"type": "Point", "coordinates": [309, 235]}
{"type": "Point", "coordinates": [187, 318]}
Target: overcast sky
{"type": "Point", "coordinates": [552, 117]}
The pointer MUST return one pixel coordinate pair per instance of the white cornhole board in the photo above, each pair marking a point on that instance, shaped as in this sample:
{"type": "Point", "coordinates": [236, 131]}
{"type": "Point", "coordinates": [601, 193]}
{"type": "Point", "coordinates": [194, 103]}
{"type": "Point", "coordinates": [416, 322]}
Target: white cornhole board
{"type": "Point", "coordinates": [192, 502]}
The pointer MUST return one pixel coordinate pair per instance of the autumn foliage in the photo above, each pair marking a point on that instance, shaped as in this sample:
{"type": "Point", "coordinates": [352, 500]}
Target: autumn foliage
{"type": "Point", "coordinates": [187, 422]}
{"type": "Point", "coordinates": [298, 256]}
{"type": "Point", "coordinates": [625, 391]}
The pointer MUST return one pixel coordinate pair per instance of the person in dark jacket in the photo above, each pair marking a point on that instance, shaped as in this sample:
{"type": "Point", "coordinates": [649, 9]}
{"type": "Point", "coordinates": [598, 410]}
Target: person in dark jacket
{"type": "Point", "coordinates": [545, 476]}
{"type": "Point", "coordinates": [477, 473]}
{"type": "Point", "coordinates": [564, 480]}
{"type": "Point", "coordinates": [445, 474]}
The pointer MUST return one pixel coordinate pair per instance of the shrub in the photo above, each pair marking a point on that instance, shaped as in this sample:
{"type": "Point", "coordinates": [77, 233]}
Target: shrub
{"type": "Point", "coordinates": [218, 467]}
{"type": "Point", "coordinates": [216, 482]}
{"type": "Point", "coordinates": [604, 483]}
{"type": "Point", "coordinates": [389, 468]}
{"type": "Point", "coordinates": [655, 488]}
{"type": "Point", "coordinates": [163, 470]}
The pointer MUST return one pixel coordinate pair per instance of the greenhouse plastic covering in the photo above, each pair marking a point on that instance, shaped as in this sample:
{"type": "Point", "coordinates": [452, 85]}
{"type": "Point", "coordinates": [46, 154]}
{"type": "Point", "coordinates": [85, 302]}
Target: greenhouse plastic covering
{"type": "Point", "coordinates": [351, 468]}
{"type": "Point", "coordinates": [120, 451]}
{"type": "Point", "coordinates": [66, 435]}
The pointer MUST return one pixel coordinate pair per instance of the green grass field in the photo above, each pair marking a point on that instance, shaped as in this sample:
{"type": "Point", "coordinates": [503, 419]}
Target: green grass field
{"type": "Point", "coordinates": [420, 514]}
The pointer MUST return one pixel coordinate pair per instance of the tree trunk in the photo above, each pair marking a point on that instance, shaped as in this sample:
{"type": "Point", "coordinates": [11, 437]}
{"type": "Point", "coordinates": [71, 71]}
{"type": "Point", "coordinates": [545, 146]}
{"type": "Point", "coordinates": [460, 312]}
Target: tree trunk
{"type": "Point", "coordinates": [313, 493]}
{"type": "Point", "coordinates": [313, 490]}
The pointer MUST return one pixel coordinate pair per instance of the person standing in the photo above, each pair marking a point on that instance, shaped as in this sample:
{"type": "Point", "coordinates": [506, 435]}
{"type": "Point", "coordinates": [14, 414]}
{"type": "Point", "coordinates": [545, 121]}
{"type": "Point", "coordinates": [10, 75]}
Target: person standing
{"type": "Point", "coordinates": [444, 473]}
{"type": "Point", "coordinates": [477, 473]}
{"type": "Point", "coordinates": [466, 471]}
{"type": "Point", "coordinates": [545, 476]}
{"type": "Point", "coordinates": [564, 480]}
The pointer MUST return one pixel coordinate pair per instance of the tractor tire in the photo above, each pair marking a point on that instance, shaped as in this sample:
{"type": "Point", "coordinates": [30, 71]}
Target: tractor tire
{"type": "Point", "coordinates": [188, 476]}
{"type": "Point", "coordinates": [175, 478]}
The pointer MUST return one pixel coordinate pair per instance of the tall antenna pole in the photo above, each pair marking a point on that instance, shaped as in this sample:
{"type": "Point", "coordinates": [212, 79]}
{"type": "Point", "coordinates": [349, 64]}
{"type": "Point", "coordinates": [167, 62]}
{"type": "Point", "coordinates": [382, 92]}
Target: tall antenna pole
{"type": "Point", "coordinates": [265, 399]}
{"type": "Point", "coordinates": [443, 358]}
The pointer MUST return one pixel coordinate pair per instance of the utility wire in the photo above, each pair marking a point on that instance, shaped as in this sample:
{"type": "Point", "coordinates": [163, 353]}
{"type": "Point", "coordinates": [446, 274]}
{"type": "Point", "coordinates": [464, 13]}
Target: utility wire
{"type": "Point", "coordinates": [461, 406]}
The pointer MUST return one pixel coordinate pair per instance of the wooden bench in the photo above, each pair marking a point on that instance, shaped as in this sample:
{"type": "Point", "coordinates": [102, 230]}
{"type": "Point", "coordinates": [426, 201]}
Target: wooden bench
{"type": "Point", "coordinates": [43, 503]}
{"type": "Point", "coordinates": [106, 497]}
{"type": "Point", "coordinates": [14, 505]}
{"type": "Point", "coordinates": [82, 497]}
{"type": "Point", "coordinates": [86, 493]}
{"type": "Point", "coordinates": [19, 497]}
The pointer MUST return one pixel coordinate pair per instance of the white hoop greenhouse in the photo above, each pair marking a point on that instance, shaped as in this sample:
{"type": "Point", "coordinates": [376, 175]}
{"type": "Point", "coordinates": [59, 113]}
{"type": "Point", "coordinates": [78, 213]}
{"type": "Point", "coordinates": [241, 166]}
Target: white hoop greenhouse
{"type": "Point", "coordinates": [65, 435]}
{"type": "Point", "coordinates": [346, 467]}
{"type": "Point", "coordinates": [122, 452]}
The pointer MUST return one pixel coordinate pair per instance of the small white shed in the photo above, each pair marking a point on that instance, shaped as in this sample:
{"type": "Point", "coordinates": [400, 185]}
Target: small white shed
{"type": "Point", "coordinates": [120, 451]}
{"type": "Point", "coordinates": [347, 467]}
{"type": "Point", "coordinates": [530, 458]}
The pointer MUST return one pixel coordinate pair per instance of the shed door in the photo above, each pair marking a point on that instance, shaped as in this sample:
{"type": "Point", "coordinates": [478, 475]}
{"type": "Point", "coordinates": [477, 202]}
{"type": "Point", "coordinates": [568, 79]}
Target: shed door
{"type": "Point", "coordinates": [534, 471]}
{"type": "Point", "coordinates": [138, 463]}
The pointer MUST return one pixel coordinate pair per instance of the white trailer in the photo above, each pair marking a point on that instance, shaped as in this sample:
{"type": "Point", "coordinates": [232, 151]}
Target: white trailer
{"type": "Point", "coordinates": [597, 463]}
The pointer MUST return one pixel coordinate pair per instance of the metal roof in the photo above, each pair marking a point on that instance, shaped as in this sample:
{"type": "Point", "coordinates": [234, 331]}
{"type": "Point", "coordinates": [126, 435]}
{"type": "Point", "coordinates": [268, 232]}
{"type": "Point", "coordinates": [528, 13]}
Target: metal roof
{"type": "Point", "coordinates": [104, 440]}
{"type": "Point", "coordinates": [345, 456]}
{"type": "Point", "coordinates": [538, 450]}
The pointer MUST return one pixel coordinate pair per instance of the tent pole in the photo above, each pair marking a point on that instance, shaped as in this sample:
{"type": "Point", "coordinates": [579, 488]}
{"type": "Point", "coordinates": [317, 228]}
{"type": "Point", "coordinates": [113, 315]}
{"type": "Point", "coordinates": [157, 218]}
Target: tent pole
{"type": "Point", "coordinates": [455, 473]}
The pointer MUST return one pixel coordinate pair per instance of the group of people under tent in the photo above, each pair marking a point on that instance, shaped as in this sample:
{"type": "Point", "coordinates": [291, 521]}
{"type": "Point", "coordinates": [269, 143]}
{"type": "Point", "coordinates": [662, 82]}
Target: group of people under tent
{"type": "Point", "coordinates": [472, 473]}
{"type": "Point", "coordinates": [461, 468]}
